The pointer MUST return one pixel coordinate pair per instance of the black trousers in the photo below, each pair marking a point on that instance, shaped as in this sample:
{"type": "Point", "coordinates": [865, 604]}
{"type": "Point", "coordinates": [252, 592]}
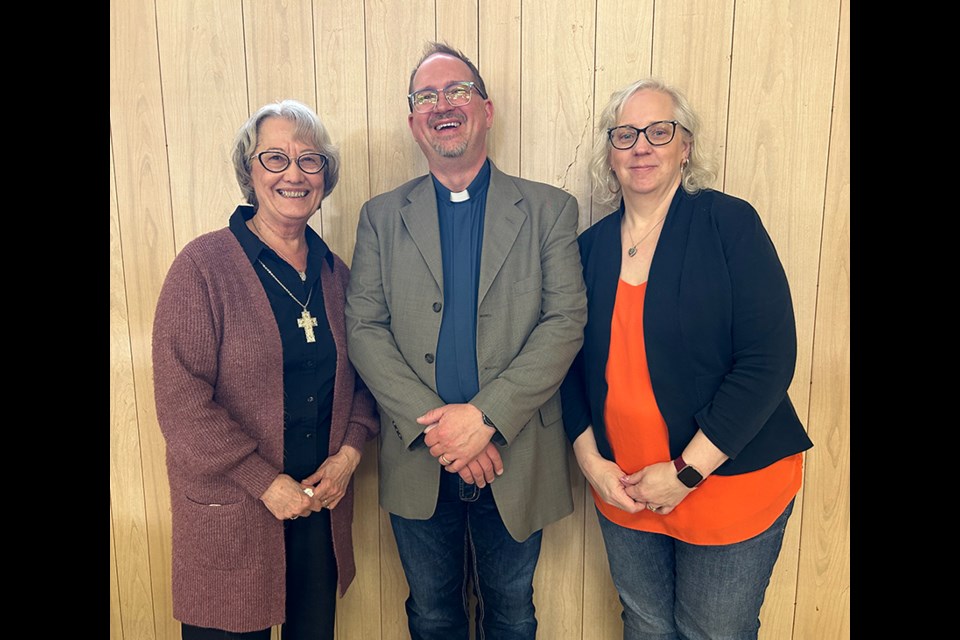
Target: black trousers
{"type": "Point", "coordinates": [311, 586]}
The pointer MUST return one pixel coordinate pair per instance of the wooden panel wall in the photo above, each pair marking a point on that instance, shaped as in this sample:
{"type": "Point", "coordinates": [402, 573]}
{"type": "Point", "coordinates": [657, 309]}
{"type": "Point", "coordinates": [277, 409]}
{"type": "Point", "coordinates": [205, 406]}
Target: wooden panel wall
{"type": "Point", "coordinates": [823, 587]}
{"type": "Point", "coordinates": [770, 78]}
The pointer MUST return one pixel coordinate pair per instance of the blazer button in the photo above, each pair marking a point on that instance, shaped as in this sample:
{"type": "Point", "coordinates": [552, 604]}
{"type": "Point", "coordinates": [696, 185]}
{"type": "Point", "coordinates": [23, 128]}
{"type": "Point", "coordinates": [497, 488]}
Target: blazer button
{"type": "Point", "coordinates": [428, 358]}
{"type": "Point", "coordinates": [437, 306]}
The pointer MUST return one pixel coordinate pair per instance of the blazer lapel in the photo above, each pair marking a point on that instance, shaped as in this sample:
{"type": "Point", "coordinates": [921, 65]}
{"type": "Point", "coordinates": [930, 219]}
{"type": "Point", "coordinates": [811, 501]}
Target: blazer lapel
{"type": "Point", "coordinates": [420, 219]}
{"type": "Point", "coordinates": [501, 225]}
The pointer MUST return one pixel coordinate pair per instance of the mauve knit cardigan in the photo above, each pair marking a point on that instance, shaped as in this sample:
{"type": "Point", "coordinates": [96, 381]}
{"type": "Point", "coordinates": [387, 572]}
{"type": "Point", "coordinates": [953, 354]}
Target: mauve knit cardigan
{"type": "Point", "coordinates": [218, 380]}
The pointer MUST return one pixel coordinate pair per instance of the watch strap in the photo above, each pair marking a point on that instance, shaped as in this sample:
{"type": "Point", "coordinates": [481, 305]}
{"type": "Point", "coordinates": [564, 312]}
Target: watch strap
{"type": "Point", "coordinates": [678, 463]}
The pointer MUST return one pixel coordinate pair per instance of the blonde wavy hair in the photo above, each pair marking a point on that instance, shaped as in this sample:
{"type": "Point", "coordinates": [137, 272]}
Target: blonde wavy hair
{"type": "Point", "coordinates": [699, 172]}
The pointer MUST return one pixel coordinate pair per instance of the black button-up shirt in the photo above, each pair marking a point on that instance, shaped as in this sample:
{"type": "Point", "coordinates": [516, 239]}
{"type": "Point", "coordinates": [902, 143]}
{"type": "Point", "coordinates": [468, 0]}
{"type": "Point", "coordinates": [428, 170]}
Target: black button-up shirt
{"type": "Point", "coordinates": [308, 367]}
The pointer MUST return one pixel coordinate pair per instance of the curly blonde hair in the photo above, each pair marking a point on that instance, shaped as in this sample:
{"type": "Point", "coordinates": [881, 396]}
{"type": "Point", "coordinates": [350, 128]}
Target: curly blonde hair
{"type": "Point", "coordinates": [700, 170]}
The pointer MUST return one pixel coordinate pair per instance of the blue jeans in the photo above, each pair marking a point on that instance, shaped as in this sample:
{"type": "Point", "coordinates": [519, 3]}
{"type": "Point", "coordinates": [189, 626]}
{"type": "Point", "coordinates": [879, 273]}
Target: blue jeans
{"type": "Point", "coordinates": [464, 538]}
{"type": "Point", "coordinates": [672, 590]}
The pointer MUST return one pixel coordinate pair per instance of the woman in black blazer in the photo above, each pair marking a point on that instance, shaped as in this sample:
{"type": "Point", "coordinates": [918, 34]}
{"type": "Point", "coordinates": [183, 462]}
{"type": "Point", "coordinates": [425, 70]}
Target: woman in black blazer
{"type": "Point", "coordinates": [677, 404]}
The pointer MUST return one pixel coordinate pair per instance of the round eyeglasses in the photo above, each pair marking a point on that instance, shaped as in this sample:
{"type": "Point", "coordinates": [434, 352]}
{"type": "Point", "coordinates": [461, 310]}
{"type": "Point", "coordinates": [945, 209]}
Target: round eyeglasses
{"type": "Point", "coordinates": [278, 161]}
{"type": "Point", "coordinates": [457, 95]}
{"type": "Point", "coordinates": [657, 134]}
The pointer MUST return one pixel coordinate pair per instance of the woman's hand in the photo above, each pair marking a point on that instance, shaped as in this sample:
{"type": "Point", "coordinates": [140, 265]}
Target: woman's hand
{"type": "Point", "coordinates": [602, 474]}
{"type": "Point", "coordinates": [329, 482]}
{"type": "Point", "coordinates": [285, 498]}
{"type": "Point", "coordinates": [657, 486]}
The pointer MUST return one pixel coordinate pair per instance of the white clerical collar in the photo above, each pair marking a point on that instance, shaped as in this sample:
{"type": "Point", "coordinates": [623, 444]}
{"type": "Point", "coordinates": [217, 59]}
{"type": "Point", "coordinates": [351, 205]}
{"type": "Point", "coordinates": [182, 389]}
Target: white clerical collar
{"type": "Point", "coordinates": [460, 196]}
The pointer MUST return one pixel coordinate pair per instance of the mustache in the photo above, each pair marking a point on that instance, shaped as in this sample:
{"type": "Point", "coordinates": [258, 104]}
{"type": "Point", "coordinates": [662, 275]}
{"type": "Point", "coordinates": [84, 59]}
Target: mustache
{"type": "Point", "coordinates": [450, 115]}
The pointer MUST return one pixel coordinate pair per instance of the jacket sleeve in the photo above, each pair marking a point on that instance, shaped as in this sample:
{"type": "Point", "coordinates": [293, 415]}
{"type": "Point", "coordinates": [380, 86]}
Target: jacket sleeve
{"type": "Point", "coordinates": [200, 434]}
{"type": "Point", "coordinates": [363, 423]}
{"type": "Point", "coordinates": [764, 338]}
{"type": "Point", "coordinates": [576, 403]}
{"type": "Point", "coordinates": [373, 349]}
{"type": "Point", "coordinates": [535, 374]}
{"type": "Point", "coordinates": [574, 397]}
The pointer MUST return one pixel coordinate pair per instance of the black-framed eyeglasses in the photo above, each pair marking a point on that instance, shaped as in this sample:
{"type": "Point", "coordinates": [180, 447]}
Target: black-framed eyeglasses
{"type": "Point", "coordinates": [657, 134]}
{"type": "Point", "coordinates": [457, 95]}
{"type": "Point", "coordinates": [278, 161]}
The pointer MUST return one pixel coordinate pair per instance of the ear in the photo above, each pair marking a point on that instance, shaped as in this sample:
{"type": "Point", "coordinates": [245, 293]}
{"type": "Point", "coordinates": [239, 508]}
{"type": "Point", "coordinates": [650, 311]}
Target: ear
{"type": "Point", "coordinates": [488, 110]}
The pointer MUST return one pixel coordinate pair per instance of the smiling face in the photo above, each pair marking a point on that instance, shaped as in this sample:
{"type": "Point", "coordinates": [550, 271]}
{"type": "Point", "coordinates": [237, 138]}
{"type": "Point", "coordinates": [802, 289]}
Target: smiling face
{"type": "Point", "coordinates": [291, 195]}
{"type": "Point", "coordinates": [646, 169]}
{"type": "Point", "coordinates": [450, 133]}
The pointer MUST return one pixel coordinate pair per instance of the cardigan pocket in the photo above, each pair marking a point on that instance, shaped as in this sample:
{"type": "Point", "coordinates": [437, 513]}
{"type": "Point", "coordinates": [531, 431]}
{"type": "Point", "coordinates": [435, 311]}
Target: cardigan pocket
{"type": "Point", "coordinates": [220, 534]}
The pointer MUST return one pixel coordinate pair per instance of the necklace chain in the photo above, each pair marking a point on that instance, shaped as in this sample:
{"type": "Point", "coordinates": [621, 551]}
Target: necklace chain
{"type": "Point", "coordinates": [306, 321]}
{"type": "Point", "coordinates": [267, 269]}
{"type": "Point", "coordinates": [303, 274]}
{"type": "Point", "coordinates": [632, 251]}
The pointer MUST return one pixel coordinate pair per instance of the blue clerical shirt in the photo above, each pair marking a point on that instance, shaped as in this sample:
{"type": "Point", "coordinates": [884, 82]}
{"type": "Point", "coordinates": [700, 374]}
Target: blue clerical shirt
{"type": "Point", "coordinates": [461, 217]}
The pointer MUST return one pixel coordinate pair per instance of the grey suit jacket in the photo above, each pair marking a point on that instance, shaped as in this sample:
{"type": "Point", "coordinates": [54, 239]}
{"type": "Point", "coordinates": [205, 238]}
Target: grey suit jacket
{"type": "Point", "coordinates": [531, 313]}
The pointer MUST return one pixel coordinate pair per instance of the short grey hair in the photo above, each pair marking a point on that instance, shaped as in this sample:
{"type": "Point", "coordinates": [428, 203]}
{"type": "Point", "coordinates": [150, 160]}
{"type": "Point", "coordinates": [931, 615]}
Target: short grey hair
{"type": "Point", "coordinates": [309, 129]}
{"type": "Point", "coordinates": [699, 173]}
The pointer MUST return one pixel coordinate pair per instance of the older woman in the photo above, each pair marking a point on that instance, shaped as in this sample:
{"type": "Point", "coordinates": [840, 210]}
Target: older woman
{"type": "Point", "coordinates": [677, 404]}
{"type": "Point", "coordinates": [264, 417]}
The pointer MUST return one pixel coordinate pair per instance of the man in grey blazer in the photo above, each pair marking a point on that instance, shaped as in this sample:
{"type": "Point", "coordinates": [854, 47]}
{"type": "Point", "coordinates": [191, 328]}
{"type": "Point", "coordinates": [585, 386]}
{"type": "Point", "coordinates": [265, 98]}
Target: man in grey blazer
{"type": "Point", "coordinates": [465, 308]}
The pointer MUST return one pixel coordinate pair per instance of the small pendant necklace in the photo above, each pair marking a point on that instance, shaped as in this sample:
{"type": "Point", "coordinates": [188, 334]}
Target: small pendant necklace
{"type": "Point", "coordinates": [306, 321]}
{"type": "Point", "coordinates": [303, 274]}
{"type": "Point", "coordinates": [632, 251]}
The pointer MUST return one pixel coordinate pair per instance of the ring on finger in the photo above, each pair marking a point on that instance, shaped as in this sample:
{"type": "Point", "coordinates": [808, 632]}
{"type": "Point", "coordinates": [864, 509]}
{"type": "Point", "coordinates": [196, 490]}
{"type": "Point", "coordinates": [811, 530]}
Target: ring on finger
{"type": "Point", "coordinates": [652, 508]}
{"type": "Point", "coordinates": [443, 460]}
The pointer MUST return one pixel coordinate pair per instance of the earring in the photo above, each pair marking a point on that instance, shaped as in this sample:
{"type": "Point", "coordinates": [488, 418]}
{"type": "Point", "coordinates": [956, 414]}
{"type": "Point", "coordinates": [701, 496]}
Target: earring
{"type": "Point", "coordinates": [613, 185]}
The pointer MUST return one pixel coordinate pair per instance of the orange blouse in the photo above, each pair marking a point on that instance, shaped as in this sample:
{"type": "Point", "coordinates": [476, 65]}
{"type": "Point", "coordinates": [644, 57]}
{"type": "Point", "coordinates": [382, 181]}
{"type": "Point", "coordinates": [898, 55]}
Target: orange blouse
{"type": "Point", "coordinates": [723, 509]}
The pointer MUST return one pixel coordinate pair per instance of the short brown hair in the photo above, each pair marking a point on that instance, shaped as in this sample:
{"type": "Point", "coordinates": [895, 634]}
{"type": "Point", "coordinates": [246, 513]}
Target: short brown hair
{"type": "Point", "coordinates": [435, 48]}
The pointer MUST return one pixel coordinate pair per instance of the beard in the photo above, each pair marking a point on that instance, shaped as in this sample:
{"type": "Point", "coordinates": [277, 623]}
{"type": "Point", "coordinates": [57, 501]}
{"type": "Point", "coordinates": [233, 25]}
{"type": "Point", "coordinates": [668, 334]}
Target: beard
{"type": "Point", "coordinates": [454, 151]}
{"type": "Point", "coordinates": [448, 149]}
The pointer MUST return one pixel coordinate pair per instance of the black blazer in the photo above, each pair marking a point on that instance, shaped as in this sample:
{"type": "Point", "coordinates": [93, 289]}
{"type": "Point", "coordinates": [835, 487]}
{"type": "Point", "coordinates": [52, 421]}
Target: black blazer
{"type": "Point", "coordinates": [719, 331]}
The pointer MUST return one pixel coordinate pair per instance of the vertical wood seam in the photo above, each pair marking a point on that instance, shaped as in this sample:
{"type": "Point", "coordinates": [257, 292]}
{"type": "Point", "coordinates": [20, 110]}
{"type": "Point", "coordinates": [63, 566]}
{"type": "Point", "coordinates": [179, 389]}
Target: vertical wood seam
{"type": "Point", "coordinates": [722, 177]}
{"type": "Point", "coordinates": [163, 120]}
{"type": "Point", "coordinates": [116, 577]}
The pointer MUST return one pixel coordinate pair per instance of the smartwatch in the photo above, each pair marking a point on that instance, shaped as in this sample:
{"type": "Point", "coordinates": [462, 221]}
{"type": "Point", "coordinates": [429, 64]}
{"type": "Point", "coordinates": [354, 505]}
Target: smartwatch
{"type": "Point", "coordinates": [689, 476]}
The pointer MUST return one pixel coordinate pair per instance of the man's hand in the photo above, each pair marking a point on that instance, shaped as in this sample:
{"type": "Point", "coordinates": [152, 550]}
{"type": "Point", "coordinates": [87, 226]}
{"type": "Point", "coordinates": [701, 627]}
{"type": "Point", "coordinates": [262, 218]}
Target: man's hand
{"type": "Point", "coordinates": [483, 469]}
{"type": "Point", "coordinates": [455, 434]}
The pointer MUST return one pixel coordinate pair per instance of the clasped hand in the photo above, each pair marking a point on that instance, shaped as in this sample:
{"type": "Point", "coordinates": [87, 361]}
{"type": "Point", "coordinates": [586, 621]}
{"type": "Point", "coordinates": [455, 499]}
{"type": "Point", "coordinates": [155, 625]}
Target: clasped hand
{"type": "Point", "coordinates": [288, 499]}
{"type": "Point", "coordinates": [331, 479]}
{"type": "Point", "coordinates": [654, 486]}
{"type": "Point", "coordinates": [458, 438]}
